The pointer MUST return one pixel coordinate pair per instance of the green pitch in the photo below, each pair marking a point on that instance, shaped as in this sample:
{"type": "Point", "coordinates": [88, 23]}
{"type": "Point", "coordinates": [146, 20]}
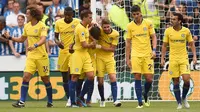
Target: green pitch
{"type": "Point", "coordinates": [59, 106]}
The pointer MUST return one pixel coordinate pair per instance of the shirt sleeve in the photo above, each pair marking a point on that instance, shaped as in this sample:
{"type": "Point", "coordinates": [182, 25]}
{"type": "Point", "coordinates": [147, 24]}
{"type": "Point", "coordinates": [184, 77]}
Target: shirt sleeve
{"type": "Point", "coordinates": [189, 36]}
{"type": "Point", "coordinates": [166, 37]}
{"type": "Point", "coordinates": [116, 39]}
{"type": "Point", "coordinates": [56, 27]}
{"type": "Point", "coordinates": [151, 28]}
{"type": "Point", "coordinates": [128, 32]}
{"type": "Point", "coordinates": [81, 34]}
{"type": "Point", "coordinates": [43, 31]}
{"type": "Point", "coordinates": [24, 31]}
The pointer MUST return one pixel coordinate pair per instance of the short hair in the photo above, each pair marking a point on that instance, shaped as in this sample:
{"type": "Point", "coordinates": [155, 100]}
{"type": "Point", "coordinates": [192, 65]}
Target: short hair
{"type": "Point", "coordinates": [68, 9]}
{"type": "Point", "coordinates": [180, 16]}
{"type": "Point", "coordinates": [135, 8]}
{"type": "Point", "coordinates": [35, 12]}
{"type": "Point", "coordinates": [40, 4]}
{"type": "Point", "coordinates": [22, 16]}
{"type": "Point", "coordinates": [85, 13]}
{"type": "Point", "coordinates": [105, 21]}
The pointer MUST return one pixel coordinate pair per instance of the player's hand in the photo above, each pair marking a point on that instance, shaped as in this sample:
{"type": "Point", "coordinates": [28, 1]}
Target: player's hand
{"type": "Point", "coordinates": [153, 55]}
{"type": "Point", "coordinates": [31, 48]}
{"type": "Point", "coordinates": [60, 44]}
{"type": "Point", "coordinates": [93, 44]}
{"type": "Point", "coordinates": [98, 46]}
{"type": "Point", "coordinates": [195, 38]}
{"type": "Point", "coordinates": [17, 55]}
{"type": "Point", "coordinates": [6, 34]}
{"type": "Point", "coordinates": [194, 60]}
{"type": "Point", "coordinates": [128, 62]}
{"type": "Point", "coordinates": [162, 62]}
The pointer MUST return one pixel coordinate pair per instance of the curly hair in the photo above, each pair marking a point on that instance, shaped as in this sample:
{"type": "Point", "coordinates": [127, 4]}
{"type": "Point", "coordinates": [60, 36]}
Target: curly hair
{"type": "Point", "coordinates": [35, 13]}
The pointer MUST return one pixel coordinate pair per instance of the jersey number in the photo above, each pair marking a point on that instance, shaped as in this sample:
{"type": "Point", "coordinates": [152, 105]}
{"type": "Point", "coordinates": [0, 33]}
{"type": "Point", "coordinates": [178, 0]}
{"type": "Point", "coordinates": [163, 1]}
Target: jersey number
{"type": "Point", "coordinates": [45, 68]}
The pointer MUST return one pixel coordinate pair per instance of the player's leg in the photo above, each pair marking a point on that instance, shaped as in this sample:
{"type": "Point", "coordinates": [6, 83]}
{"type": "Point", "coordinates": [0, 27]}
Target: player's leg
{"type": "Point", "coordinates": [111, 70]}
{"type": "Point", "coordinates": [138, 89]}
{"type": "Point", "coordinates": [89, 73]}
{"type": "Point", "coordinates": [75, 71]}
{"type": "Point", "coordinates": [100, 78]}
{"type": "Point", "coordinates": [91, 87]}
{"type": "Point", "coordinates": [30, 69]}
{"type": "Point", "coordinates": [43, 71]}
{"type": "Point", "coordinates": [148, 71]}
{"type": "Point", "coordinates": [63, 64]}
{"type": "Point", "coordinates": [174, 72]}
{"type": "Point", "coordinates": [136, 63]}
{"type": "Point", "coordinates": [185, 71]}
{"type": "Point", "coordinates": [186, 86]}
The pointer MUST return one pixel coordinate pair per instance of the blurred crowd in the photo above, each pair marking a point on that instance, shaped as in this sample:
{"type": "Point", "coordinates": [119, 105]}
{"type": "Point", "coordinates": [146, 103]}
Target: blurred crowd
{"type": "Point", "coordinates": [12, 18]}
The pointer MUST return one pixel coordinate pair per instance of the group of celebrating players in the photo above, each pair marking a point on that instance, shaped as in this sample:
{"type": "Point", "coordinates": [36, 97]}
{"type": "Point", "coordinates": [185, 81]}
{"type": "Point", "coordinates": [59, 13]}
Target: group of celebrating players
{"type": "Point", "coordinates": [87, 50]}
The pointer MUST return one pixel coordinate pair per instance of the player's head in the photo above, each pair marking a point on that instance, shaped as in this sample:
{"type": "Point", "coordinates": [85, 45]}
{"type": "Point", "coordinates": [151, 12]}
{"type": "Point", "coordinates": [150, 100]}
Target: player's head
{"type": "Point", "coordinates": [105, 23]}
{"type": "Point", "coordinates": [95, 32]}
{"type": "Point", "coordinates": [20, 20]}
{"type": "Point", "coordinates": [40, 7]}
{"type": "Point", "coordinates": [68, 13]}
{"type": "Point", "coordinates": [136, 12]}
{"type": "Point", "coordinates": [33, 13]}
{"type": "Point", "coordinates": [86, 16]}
{"type": "Point", "coordinates": [177, 19]}
{"type": "Point", "coordinates": [2, 22]}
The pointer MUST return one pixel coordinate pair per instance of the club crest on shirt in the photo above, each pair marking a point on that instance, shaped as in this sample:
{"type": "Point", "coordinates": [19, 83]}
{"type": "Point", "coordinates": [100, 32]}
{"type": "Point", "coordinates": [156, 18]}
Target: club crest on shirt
{"type": "Point", "coordinates": [73, 26]}
{"type": "Point", "coordinates": [36, 30]}
{"type": "Point", "coordinates": [82, 34]}
{"type": "Point", "coordinates": [170, 72]}
{"type": "Point", "coordinates": [111, 39]}
{"type": "Point", "coordinates": [76, 69]}
{"type": "Point", "coordinates": [183, 35]}
{"type": "Point", "coordinates": [145, 29]}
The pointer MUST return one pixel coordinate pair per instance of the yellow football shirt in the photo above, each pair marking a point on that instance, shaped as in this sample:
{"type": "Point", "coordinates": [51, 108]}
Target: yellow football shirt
{"type": "Point", "coordinates": [33, 34]}
{"type": "Point", "coordinates": [66, 32]}
{"type": "Point", "coordinates": [107, 40]}
{"type": "Point", "coordinates": [81, 35]}
{"type": "Point", "coordinates": [177, 42]}
{"type": "Point", "coordinates": [140, 38]}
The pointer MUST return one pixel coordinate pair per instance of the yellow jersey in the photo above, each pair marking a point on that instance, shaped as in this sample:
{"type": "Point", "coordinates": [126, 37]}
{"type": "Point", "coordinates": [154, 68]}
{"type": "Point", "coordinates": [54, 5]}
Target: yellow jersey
{"type": "Point", "coordinates": [81, 35]}
{"type": "Point", "coordinates": [140, 38]}
{"type": "Point", "coordinates": [66, 32]}
{"type": "Point", "coordinates": [107, 40]}
{"type": "Point", "coordinates": [177, 42]}
{"type": "Point", "coordinates": [33, 34]}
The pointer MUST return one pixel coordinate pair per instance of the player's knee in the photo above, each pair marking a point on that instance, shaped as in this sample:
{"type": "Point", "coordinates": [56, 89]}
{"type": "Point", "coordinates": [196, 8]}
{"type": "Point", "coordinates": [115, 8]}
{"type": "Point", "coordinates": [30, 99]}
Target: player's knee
{"type": "Point", "coordinates": [112, 78]}
{"type": "Point", "coordinates": [45, 79]}
{"type": "Point", "coordinates": [176, 81]}
{"type": "Point", "coordinates": [26, 78]}
{"type": "Point", "coordinates": [149, 80]}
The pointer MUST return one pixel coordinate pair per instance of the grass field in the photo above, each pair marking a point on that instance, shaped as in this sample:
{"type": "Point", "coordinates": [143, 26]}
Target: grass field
{"type": "Point", "coordinates": [59, 106]}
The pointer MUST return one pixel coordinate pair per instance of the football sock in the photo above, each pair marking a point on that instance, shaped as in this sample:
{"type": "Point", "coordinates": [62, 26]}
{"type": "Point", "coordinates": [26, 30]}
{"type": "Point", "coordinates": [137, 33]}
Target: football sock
{"type": "Point", "coordinates": [114, 90]}
{"type": "Point", "coordinates": [186, 87]}
{"type": "Point", "coordinates": [49, 92]}
{"type": "Point", "coordinates": [138, 90]}
{"type": "Point", "coordinates": [177, 93]}
{"type": "Point", "coordinates": [101, 92]}
{"type": "Point", "coordinates": [24, 90]}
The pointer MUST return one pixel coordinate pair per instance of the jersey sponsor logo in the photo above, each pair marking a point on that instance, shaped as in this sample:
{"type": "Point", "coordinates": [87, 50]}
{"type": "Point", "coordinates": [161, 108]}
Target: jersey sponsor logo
{"type": "Point", "coordinates": [181, 41]}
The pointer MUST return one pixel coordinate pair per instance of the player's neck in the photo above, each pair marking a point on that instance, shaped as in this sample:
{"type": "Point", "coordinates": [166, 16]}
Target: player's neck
{"type": "Point", "coordinates": [84, 23]}
{"type": "Point", "coordinates": [177, 28]}
{"type": "Point", "coordinates": [138, 22]}
{"type": "Point", "coordinates": [68, 21]}
{"type": "Point", "coordinates": [34, 22]}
